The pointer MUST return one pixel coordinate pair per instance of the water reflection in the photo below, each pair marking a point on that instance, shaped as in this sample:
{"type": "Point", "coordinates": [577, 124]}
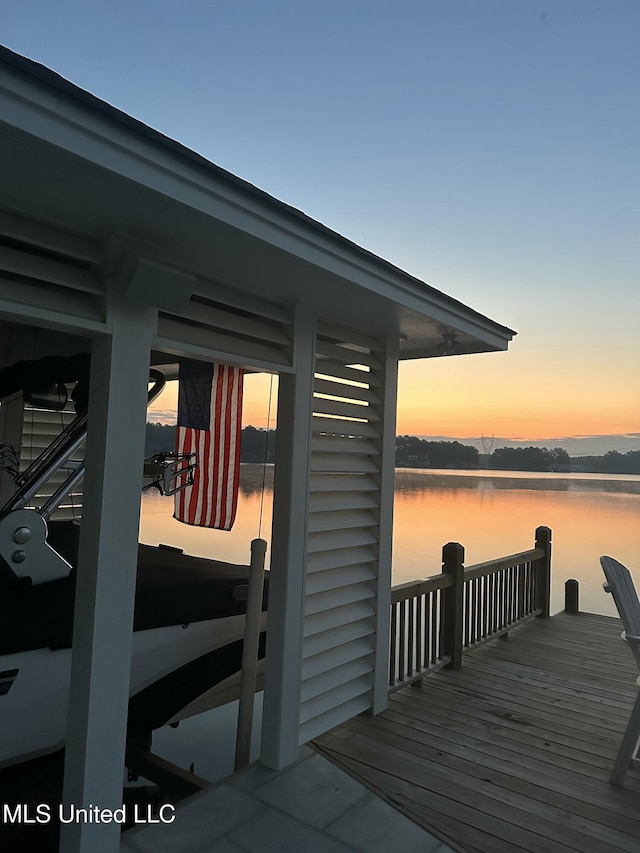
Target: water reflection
{"type": "Point", "coordinates": [490, 513]}
{"type": "Point", "coordinates": [412, 480]}
{"type": "Point", "coordinates": [253, 478]}
{"type": "Point", "coordinates": [495, 513]}
{"type": "Point", "coordinates": [157, 524]}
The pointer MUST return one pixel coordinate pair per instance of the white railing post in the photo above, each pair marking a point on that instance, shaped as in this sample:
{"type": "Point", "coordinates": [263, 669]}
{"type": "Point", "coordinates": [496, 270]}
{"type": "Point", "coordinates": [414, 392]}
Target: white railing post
{"type": "Point", "coordinates": [250, 653]}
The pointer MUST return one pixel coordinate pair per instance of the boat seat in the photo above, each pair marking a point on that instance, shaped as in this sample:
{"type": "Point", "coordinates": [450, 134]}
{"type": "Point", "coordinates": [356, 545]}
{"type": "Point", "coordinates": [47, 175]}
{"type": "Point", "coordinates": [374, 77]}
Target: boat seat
{"type": "Point", "coordinates": [172, 588]}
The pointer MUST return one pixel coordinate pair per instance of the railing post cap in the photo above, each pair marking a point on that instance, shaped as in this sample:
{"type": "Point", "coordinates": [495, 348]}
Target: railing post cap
{"type": "Point", "coordinates": [452, 555]}
{"type": "Point", "coordinates": [572, 596]}
{"type": "Point", "coordinates": [453, 552]}
{"type": "Point", "coordinates": [543, 534]}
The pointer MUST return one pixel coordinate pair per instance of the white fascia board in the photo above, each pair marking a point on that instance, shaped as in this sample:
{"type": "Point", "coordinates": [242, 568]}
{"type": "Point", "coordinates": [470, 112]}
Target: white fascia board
{"type": "Point", "coordinates": [166, 168]}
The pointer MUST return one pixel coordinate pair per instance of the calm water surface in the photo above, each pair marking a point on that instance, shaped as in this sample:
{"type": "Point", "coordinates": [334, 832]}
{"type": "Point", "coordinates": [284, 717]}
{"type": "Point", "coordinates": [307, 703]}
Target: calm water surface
{"type": "Point", "coordinates": [494, 512]}
{"type": "Point", "coordinates": [491, 513]}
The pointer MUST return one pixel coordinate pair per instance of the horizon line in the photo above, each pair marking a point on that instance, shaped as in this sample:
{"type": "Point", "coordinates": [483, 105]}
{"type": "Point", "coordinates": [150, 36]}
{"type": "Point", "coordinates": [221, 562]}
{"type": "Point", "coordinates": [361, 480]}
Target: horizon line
{"type": "Point", "coordinates": [519, 439]}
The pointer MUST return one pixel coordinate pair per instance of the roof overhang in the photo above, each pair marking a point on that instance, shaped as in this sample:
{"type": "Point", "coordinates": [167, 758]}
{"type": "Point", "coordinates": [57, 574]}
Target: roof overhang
{"type": "Point", "coordinates": [75, 163]}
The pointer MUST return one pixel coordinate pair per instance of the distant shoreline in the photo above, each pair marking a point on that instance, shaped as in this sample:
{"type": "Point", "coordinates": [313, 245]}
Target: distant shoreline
{"type": "Point", "coordinates": [552, 476]}
{"type": "Point", "coordinates": [415, 452]}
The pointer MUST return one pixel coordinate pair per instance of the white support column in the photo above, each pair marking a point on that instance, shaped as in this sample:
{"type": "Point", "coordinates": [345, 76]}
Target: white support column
{"type": "Point", "coordinates": [281, 708]}
{"type": "Point", "coordinates": [387, 486]}
{"type": "Point", "coordinates": [106, 576]}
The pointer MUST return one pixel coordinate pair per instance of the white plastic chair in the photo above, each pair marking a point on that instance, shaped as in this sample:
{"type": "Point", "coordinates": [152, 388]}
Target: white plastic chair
{"type": "Point", "coordinates": [620, 584]}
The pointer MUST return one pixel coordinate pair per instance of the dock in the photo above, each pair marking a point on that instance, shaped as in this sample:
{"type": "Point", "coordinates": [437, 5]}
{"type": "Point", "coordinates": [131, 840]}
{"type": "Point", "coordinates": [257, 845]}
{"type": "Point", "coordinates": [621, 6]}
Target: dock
{"type": "Point", "coordinates": [512, 751]}
{"type": "Point", "coordinates": [499, 736]}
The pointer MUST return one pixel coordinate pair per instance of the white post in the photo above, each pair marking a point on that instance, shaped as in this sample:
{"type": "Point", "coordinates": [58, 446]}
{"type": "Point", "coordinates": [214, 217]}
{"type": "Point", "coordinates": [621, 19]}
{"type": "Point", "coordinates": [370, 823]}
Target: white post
{"type": "Point", "coordinates": [250, 651]}
{"type": "Point", "coordinates": [387, 486]}
{"type": "Point", "coordinates": [281, 709]}
{"type": "Point", "coordinates": [105, 591]}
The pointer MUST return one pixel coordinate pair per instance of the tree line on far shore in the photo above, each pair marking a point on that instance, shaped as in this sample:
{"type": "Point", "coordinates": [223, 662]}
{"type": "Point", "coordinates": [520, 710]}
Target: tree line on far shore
{"type": "Point", "coordinates": [258, 445]}
{"type": "Point", "coordinates": [413, 452]}
{"type": "Point", "coordinates": [161, 438]}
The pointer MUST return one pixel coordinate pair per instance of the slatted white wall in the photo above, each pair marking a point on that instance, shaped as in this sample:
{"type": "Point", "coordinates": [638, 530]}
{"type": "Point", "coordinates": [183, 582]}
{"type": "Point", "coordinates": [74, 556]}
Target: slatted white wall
{"type": "Point", "coordinates": [29, 431]}
{"type": "Point", "coordinates": [39, 428]}
{"type": "Point", "coordinates": [343, 531]}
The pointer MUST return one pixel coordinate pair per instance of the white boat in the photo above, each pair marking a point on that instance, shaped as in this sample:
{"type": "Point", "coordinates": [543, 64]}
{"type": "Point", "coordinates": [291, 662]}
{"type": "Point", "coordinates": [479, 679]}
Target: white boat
{"type": "Point", "coordinates": [189, 619]}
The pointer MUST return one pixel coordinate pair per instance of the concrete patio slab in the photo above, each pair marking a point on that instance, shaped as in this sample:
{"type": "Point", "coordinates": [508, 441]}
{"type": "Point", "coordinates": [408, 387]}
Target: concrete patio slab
{"type": "Point", "coordinates": [311, 806]}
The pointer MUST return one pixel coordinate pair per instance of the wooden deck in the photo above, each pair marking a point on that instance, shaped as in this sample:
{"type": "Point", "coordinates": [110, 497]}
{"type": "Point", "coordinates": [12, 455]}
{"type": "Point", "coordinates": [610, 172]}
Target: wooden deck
{"type": "Point", "coordinates": [513, 751]}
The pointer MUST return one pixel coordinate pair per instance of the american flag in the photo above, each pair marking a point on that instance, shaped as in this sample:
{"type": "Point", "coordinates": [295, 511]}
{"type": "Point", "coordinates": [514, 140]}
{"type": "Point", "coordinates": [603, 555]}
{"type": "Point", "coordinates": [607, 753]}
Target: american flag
{"type": "Point", "coordinates": [209, 423]}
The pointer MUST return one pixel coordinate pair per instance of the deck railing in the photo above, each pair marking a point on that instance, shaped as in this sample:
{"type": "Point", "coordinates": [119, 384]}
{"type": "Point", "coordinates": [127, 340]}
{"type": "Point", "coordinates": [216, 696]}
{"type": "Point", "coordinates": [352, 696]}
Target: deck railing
{"type": "Point", "coordinates": [416, 629]}
{"type": "Point", "coordinates": [434, 620]}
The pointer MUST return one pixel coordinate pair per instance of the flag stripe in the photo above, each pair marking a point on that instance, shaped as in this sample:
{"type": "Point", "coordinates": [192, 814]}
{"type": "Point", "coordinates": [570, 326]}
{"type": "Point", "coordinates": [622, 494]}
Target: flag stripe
{"type": "Point", "coordinates": [212, 499]}
{"type": "Point", "coordinates": [219, 447]}
{"type": "Point", "coordinates": [234, 449]}
{"type": "Point", "coordinates": [225, 456]}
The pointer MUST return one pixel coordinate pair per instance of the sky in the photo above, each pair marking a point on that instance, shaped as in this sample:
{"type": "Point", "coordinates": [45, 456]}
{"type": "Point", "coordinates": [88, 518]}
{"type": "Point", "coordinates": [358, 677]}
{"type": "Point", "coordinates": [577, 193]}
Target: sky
{"type": "Point", "coordinates": [488, 147]}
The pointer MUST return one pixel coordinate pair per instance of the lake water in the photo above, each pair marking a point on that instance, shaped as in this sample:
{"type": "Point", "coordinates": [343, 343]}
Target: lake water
{"type": "Point", "coordinates": [491, 513]}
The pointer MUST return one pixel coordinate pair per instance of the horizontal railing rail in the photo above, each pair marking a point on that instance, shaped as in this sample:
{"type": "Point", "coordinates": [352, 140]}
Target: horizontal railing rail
{"type": "Point", "coordinates": [434, 620]}
{"type": "Point", "coordinates": [490, 567]}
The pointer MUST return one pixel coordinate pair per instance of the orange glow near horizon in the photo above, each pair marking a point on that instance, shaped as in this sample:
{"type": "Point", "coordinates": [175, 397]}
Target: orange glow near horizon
{"type": "Point", "coordinates": [491, 394]}
{"type": "Point", "coordinates": [505, 395]}
{"type": "Point", "coordinates": [513, 422]}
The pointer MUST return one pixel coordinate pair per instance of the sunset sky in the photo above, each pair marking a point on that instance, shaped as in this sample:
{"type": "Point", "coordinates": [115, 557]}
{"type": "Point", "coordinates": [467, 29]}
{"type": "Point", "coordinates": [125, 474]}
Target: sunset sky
{"type": "Point", "coordinates": [489, 147]}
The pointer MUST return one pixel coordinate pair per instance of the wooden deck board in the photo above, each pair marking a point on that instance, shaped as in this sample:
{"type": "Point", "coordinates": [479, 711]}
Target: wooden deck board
{"type": "Point", "coordinates": [513, 751]}
{"type": "Point", "coordinates": [483, 726]}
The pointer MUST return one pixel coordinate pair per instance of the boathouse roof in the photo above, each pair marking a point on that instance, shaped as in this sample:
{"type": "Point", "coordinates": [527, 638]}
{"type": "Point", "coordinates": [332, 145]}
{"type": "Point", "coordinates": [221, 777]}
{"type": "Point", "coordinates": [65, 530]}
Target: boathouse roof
{"type": "Point", "coordinates": [97, 172]}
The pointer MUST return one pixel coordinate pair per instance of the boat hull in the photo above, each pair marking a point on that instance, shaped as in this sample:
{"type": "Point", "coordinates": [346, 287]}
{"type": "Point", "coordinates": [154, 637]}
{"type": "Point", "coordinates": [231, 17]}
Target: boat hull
{"type": "Point", "coordinates": [174, 670]}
